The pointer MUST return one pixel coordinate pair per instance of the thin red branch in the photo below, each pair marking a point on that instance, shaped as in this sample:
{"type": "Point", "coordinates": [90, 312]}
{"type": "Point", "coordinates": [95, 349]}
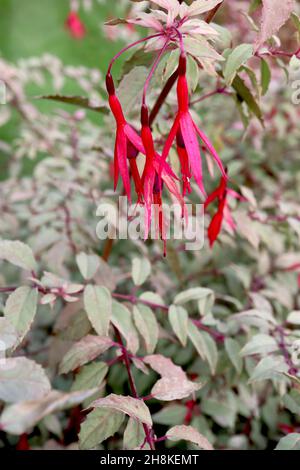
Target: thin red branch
{"type": "Point", "coordinates": [126, 359]}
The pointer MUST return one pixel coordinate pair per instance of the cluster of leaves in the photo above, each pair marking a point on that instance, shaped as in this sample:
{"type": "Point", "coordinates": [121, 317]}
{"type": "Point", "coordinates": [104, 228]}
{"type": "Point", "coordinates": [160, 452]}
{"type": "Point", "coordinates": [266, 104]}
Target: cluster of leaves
{"type": "Point", "coordinates": [107, 344]}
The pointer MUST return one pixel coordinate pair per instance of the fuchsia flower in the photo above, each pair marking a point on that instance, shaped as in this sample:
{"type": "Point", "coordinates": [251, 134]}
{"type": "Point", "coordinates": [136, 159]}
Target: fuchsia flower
{"type": "Point", "coordinates": [178, 27]}
{"type": "Point", "coordinates": [127, 146]}
{"type": "Point", "coordinates": [223, 213]}
{"type": "Point", "coordinates": [188, 129]}
{"type": "Point", "coordinates": [75, 25]}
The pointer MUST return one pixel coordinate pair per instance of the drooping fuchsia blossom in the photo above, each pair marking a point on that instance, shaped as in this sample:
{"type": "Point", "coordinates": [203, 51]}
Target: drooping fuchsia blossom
{"type": "Point", "coordinates": [128, 144]}
{"type": "Point", "coordinates": [189, 130]}
{"type": "Point", "coordinates": [172, 28]}
{"type": "Point", "coordinates": [155, 172]}
{"type": "Point", "coordinates": [223, 213]}
{"type": "Point", "coordinates": [75, 25]}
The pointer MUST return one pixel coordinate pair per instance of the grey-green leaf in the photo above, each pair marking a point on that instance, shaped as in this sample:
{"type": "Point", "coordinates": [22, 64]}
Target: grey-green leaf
{"type": "Point", "coordinates": [20, 309]}
{"type": "Point", "coordinates": [90, 376]}
{"type": "Point", "coordinates": [122, 319]}
{"type": "Point", "coordinates": [98, 306]}
{"type": "Point", "coordinates": [22, 379]}
{"type": "Point", "coordinates": [87, 349]}
{"type": "Point", "coordinates": [235, 60]}
{"type": "Point", "coordinates": [146, 324]}
{"type": "Point", "coordinates": [99, 425]}
{"type": "Point", "coordinates": [87, 264]}
{"type": "Point", "coordinates": [195, 293]}
{"type": "Point", "coordinates": [265, 76]}
{"type": "Point", "coordinates": [178, 318]}
{"type": "Point", "coordinates": [233, 348]}
{"type": "Point", "coordinates": [141, 269]}
{"type": "Point", "coordinates": [134, 435]}
{"type": "Point", "coordinates": [133, 407]}
{"type": "Point", "coordinates": [17, 253]}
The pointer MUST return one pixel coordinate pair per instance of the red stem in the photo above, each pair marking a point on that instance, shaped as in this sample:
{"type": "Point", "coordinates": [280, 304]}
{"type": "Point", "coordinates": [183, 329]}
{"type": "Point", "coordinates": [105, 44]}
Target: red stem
{"type": "Point", "coordinates": [125, 49]}
{"type": "Point", "coordinates": [133, 388]}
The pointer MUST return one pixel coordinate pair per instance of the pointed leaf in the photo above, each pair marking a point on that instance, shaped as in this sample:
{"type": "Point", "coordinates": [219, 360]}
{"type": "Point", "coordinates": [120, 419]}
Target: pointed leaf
{"type": "Point", "coordinates": [146, 324]}
{"type": "Point", "coordinates": [17, 253]}
{"type": "Point", "coordinates": [121, 318]}
{"type": "Point", "coordinates": [90, 376]}
{"type": "Point", "coordinates": [134, 435]}
{"type": "Point", "coordinates": [131, 406]}
{"type": "Point", "coordinates": [188, 433]}
{"type": "Point", "coordinates": [22, 379]}
{"type": "Point", "coordinates": [19, 418]}
{"type": "Point", "coordinates": [178, 318]}
{"type": "Point", "coordinates": [99, 425]}
{"type": "Point", "coordinates": [141, 269]}
{"type": "Point", "coordinates": [84, 351]}
{"type": "Point", "coordinates": [79, 101]}
{"type": "Point", "coordinates": [274, 15]}
{"type": "Point", "coordinates": [235, 60]}
{"type": "Point", "coordinates": [88, 265]}
{"type": "Point", "coordinates": [20, 309]}
{"type": "Point", "coordinates": [98, 306]}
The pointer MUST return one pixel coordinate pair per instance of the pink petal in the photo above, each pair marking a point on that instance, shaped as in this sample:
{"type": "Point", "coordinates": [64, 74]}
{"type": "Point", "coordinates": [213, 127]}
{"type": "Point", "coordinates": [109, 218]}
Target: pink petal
{"type": "Point", "coordinates": [134, 138]}
{"type": "Point", "coordinates": [192, 148]}
{"type": "Point", "coordinates": [211, 149]}
{"type": "Point", "coordinates": [160, 165]}
{"type": "Point", "coordinates": [236, 195]}
{"type": "Point", "coordinates": [228, 218]}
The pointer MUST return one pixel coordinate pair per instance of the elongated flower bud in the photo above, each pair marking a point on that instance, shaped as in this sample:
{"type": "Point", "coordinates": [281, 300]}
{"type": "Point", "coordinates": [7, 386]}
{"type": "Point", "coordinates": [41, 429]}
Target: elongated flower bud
{"type": "Point", "coordinates": [144, 116]}
{"type": "Point", "coordinates": [110, 86]}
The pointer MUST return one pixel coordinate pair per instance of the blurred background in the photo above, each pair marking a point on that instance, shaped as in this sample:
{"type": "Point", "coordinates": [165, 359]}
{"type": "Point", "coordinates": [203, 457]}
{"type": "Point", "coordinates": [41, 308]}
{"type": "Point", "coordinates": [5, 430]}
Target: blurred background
{"type": "Point", "coordinates": [35, 29]}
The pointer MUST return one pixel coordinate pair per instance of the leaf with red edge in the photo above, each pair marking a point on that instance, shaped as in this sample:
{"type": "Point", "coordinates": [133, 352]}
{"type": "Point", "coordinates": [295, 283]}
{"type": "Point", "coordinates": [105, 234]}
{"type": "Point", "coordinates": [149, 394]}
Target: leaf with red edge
{"type": "Point", "coordinates": [188, 433]}
{"type": "Point", "coordinates": [133, 407]}
{"type": "Point", "coordinates": [275, 13]}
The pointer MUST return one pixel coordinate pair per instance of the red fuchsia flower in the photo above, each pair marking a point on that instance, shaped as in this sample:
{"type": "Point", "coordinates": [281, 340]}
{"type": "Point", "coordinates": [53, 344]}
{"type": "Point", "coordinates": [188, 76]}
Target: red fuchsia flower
{"type": "Point", "coordinates": [75, 25]}
{"type": "Point", "coordinates": [155, 173]}
{"type": "Point", "coordinates": [185, 124]}
{"type": "Point", "coordinates": [23, 443]}
{"type": "Point", "coordinates": [128, 144]}
{"type": "Point", "coordinates": [223, 213]}
{"type": "Point", "coordinates": [171, 28]}
{"type": "Point", "coordinates": [125, 148]}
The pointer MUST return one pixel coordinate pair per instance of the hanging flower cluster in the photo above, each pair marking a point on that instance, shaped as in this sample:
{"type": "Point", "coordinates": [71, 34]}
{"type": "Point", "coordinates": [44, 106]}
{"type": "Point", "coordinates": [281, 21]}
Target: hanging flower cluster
{"type": "Point", "coordinates": [174, 28]}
